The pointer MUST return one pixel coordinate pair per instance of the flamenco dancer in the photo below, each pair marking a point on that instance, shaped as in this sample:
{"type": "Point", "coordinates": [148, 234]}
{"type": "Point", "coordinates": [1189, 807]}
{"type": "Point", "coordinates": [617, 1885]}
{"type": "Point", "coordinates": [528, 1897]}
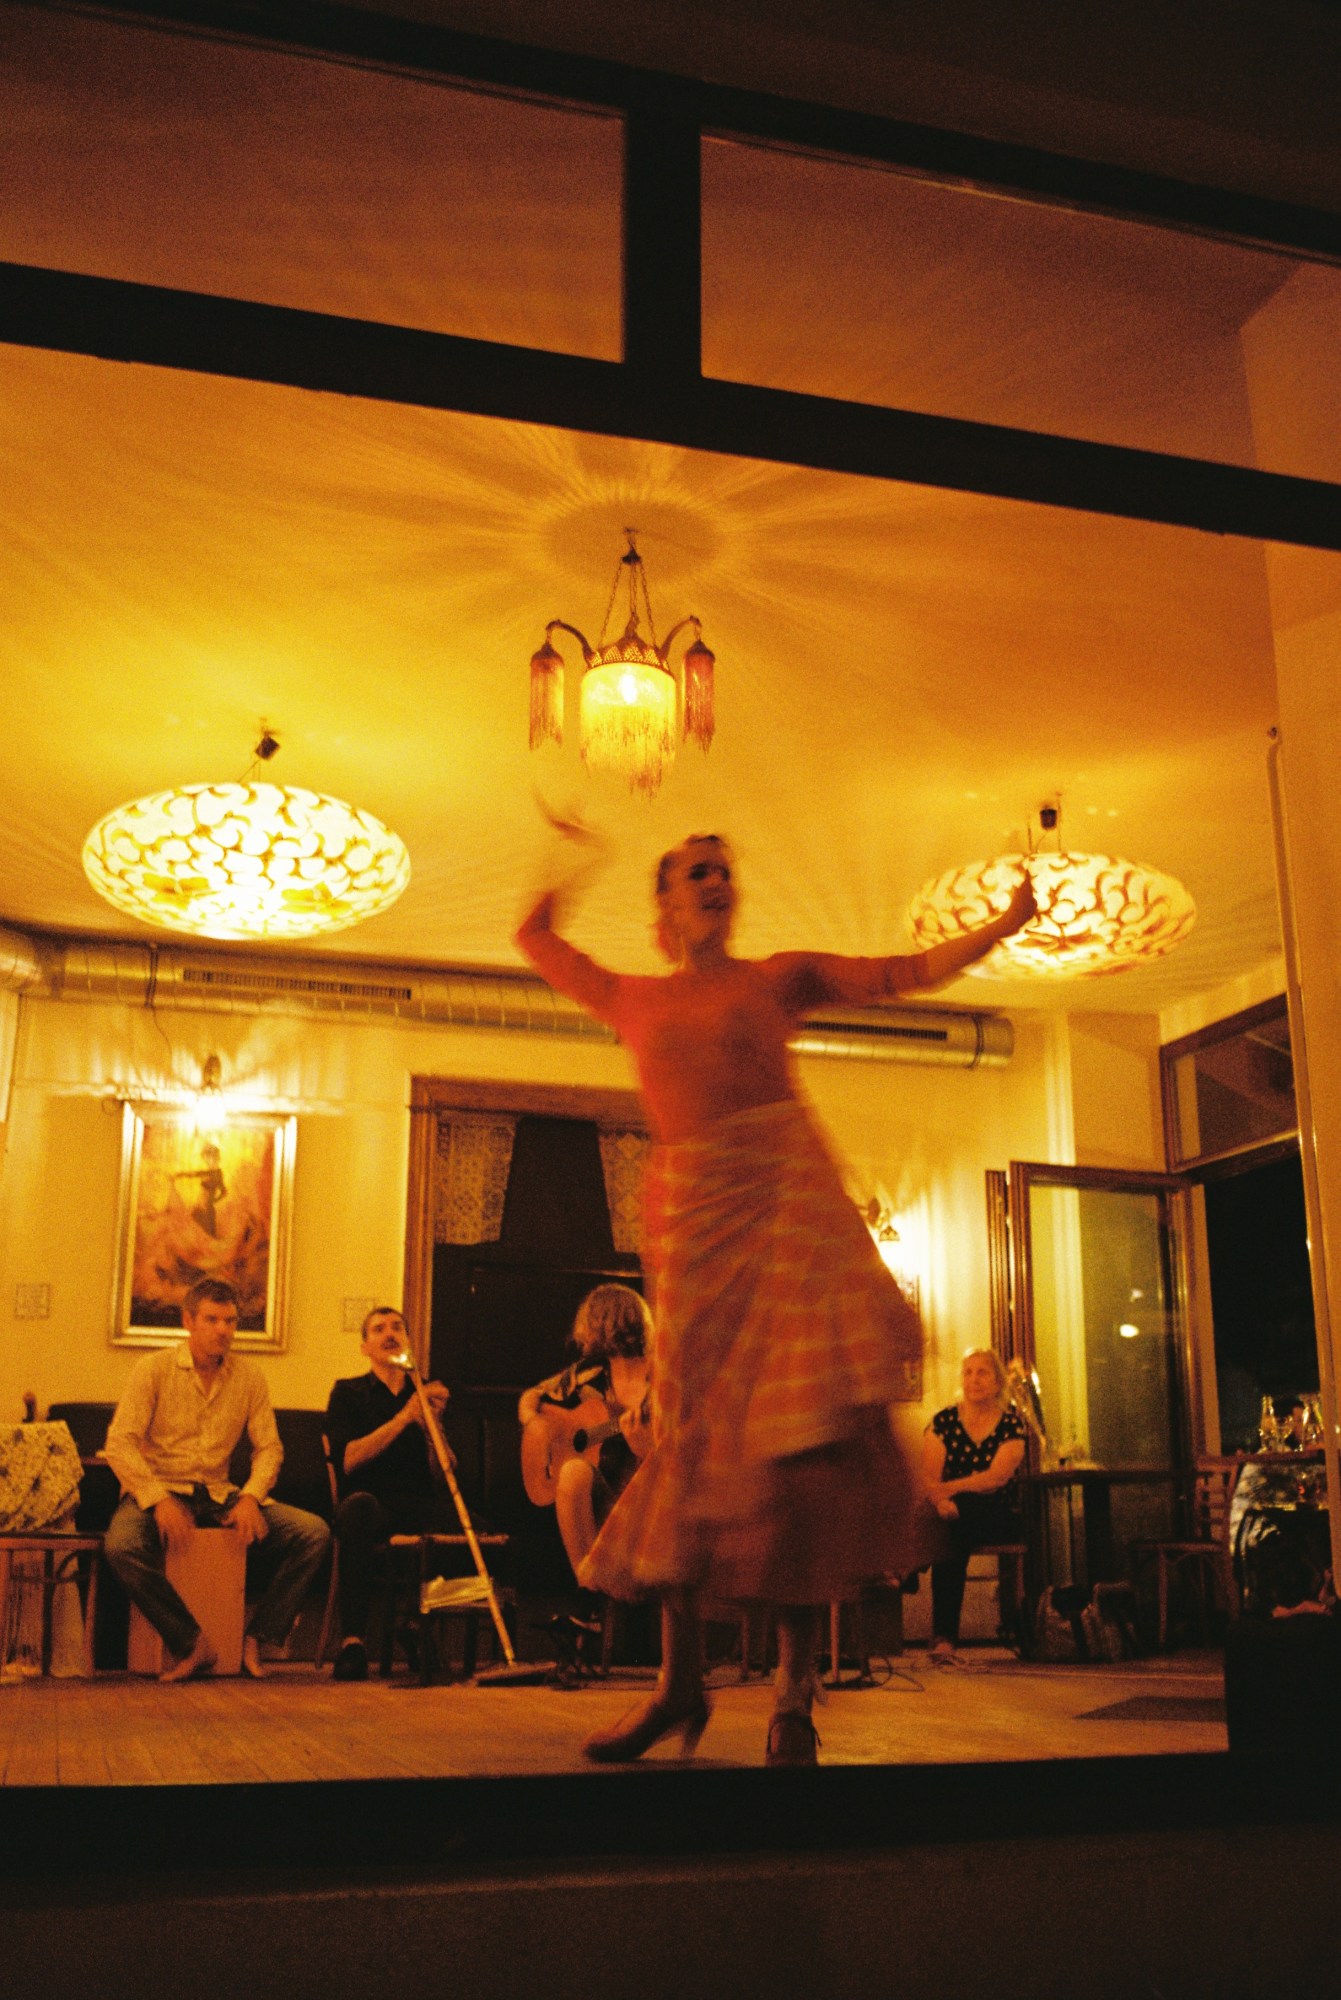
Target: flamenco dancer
{"type": "Point", "coordinates": [774, 1475]}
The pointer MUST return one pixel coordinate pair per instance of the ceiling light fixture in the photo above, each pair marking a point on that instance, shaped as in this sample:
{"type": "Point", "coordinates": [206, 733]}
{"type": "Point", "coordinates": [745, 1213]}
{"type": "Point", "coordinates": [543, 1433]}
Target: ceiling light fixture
{"type": "Point", "coordinates": [1096, 913]}
{"type": "Point", "coordinates": [632, 708]}
{"type": "Point", "coordinates": [246, 860]}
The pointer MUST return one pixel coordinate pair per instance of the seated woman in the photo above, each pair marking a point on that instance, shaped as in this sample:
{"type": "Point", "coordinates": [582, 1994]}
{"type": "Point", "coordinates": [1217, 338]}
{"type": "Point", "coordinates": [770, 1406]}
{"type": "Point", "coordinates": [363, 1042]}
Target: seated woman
{"type": "Point", "coordinates": [971, 1453]}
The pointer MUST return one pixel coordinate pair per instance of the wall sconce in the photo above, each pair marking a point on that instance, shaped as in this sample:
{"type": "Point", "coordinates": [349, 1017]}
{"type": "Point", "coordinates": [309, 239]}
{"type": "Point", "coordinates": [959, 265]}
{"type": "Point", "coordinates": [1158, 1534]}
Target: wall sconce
{"type": "Point", "coordinates": [892, 1250]}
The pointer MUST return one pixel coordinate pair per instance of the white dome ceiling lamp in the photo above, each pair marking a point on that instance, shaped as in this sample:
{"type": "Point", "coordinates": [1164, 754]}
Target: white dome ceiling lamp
{"type": "Point", "coordinates": [246, 860]}
{"type": "Point", "coordinates": [632, 708]}
{"type": "Point", "coordinates": [1096, 913]}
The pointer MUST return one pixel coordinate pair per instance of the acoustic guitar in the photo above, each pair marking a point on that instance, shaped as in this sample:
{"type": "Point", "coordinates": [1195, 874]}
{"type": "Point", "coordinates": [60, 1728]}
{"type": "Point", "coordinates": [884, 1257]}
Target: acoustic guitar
{"type": "Point", "coordinates": [555, 1435]}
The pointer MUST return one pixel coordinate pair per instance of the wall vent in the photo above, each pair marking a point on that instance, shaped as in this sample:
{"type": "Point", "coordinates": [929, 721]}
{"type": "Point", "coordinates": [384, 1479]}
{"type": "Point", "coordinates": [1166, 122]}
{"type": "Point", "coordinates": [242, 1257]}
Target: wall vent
{"type": "Point", "coordinates": [226, 980]}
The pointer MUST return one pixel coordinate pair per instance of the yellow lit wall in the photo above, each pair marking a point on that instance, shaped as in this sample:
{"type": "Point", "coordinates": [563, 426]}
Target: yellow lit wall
{"type": "Point", "coordinates": [919, 1138]}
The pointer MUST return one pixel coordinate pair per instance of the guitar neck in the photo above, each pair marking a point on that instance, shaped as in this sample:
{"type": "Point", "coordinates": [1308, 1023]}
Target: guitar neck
{"type": "Point", "coordinates": [597, 1434]}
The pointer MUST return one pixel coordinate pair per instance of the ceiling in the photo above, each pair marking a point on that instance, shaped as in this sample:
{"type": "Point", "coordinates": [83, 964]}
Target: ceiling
{"type": "Point", "coordinates": [904, 675]}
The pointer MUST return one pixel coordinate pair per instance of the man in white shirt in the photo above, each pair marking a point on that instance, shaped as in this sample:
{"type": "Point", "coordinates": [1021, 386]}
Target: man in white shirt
{"type": "Point", "coordinates": [183, 1411]}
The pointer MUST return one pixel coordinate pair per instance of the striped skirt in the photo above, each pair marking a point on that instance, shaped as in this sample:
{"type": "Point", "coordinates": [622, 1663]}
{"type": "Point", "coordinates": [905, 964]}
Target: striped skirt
{"type": "Point", "coordinates": [780, 1342]}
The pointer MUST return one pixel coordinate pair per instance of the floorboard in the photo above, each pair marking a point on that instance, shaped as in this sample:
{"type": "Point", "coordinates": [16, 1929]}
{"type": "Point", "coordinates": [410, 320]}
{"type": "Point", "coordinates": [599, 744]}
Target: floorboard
{"type": "Point", "coordinates": [301, 1727]}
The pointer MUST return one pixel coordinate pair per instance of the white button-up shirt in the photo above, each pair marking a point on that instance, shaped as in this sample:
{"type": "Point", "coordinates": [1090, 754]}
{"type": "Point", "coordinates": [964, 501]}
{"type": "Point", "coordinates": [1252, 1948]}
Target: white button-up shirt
{"type": "Point", "coordinates": [175, 1429]}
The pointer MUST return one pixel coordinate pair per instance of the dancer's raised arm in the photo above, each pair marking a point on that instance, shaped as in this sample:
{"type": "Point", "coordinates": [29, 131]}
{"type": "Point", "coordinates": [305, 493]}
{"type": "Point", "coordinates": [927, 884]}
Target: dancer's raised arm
{"type": "Point", "coordinates": [561, 964]}
{"type": "Point", "coordinates": [811, 979]}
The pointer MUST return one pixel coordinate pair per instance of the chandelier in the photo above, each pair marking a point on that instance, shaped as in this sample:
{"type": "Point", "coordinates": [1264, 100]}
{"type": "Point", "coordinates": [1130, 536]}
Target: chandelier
{"type": "Point", "coordinates": [246, 860]}
{"type": "Point", "coordinates": [1096, 913]}
{"type": "Point", "coordinates": [632, 709]}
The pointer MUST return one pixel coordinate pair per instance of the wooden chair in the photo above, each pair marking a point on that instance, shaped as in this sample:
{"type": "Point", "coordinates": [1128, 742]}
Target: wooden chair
{"type": "Point", "coordinates": [1205, 1554]}
{"type": "Point", "coordinates": [402, 1575]}
{"type": "Point", "coordinates": [53, 1554]}
{"type": "Point", "coordinates": [1012, 1596]}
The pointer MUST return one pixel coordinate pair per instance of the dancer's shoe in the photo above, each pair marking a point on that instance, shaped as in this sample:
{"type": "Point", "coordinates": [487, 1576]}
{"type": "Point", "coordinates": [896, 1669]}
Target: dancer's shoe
{"type": "Point", "coordinates": [650, 1724]}
{"type": "Point", "coordinates": [792, 1739]}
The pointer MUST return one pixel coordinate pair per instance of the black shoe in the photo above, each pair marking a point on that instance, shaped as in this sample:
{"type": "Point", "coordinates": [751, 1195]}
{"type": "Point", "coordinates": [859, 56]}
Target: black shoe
{"type": "Point", "coordinates": [351, 1662]}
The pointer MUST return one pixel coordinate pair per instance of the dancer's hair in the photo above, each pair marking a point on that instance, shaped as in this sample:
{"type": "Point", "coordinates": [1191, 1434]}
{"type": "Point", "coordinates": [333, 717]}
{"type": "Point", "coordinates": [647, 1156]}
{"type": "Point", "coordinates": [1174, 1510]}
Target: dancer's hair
{"type": "Point", "coordinates": [667, 941]}
{"type": "Point", "coordinates": [613, 1319]}
{"type": "Point", "coordinates": [998, 1366]}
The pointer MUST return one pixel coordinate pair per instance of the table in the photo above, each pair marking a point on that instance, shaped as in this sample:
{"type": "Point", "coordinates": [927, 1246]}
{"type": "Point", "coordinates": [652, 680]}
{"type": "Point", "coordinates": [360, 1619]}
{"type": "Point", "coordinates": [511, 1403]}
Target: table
{"type": "Point", "coordinates": [1095, 1484]}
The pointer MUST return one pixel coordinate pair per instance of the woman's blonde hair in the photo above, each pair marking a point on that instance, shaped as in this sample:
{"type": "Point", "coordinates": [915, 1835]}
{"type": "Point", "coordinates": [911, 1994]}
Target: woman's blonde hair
{"type": "Point", "coordinates": [998, 1366]}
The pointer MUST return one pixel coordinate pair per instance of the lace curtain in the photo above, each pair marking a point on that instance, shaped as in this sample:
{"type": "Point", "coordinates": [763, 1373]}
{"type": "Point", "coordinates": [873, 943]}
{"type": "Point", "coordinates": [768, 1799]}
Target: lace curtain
{"type": "Point", "coordinates": [471, 1175]}
{"type": "Point", "coordinates": [474, 1154]}
{"type": "Point", "coordinates": [623, 1158]}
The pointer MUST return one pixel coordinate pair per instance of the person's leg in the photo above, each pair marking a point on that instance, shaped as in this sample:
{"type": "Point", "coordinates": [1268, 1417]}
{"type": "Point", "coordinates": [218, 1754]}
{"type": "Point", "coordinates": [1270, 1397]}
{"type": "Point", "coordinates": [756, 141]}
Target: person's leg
{"type": "Point", "coordinates": [290, 1555]}
{"type": "Point", "coordinates": [134, 1551]}
{"type": "Point", "coordinates": [798, 1643]}
{"type": "Point", "coordinates": [361, 1526]}
{"type": "Point", "coordinates": [575, 1508]}
{"type": "Point", "coordinates": [679, 1705]}
{"type": "Point", "coordinates": [791, 1734]}
{"type": "Point", "coordinates": [983, 1517]}
{"type": "Point", "coordinates": [948, 1578]}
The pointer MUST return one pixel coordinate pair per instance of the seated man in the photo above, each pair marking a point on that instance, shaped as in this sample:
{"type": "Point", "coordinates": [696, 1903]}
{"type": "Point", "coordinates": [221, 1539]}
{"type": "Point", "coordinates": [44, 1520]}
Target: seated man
{"type": "Point", "coordinates": [183, 1410]}
{"type": "Point", "coordinates": [383, 1473]}
{"type": "Point", "coordinates": [610, 1333]}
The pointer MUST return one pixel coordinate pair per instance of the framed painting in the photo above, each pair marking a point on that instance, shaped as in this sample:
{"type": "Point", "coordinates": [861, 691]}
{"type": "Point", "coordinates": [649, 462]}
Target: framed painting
{"type": "Point", "coordinates": [202, 1199]}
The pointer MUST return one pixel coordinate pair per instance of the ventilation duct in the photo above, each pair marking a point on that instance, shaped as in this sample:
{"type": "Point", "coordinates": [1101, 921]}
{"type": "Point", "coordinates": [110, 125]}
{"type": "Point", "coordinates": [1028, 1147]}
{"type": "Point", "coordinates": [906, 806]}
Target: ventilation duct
{"type": "Point", "coordinates": [139, 975]}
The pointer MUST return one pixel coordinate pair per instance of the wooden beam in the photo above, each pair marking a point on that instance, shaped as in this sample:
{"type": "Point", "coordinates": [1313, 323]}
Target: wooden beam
{"type": "Point", "coordinates": [241, 339]}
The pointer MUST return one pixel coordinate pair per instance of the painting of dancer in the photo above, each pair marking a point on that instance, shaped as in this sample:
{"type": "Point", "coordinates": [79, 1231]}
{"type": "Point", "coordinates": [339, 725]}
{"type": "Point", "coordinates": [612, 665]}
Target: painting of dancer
{"type": "Point", "coordinates": [202, 1202]}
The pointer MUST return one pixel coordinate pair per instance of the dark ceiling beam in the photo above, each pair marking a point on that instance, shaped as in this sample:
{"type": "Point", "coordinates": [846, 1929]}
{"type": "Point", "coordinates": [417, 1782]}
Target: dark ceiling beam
{"type": "Point", "coordinates": [118, 321]}
{"type": "Point", "coordinates": [382, 40]}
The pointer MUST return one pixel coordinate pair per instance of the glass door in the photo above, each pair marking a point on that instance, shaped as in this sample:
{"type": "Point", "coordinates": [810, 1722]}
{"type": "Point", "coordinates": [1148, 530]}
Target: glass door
{"type": "Point", "coordinates": [1097, 1309]}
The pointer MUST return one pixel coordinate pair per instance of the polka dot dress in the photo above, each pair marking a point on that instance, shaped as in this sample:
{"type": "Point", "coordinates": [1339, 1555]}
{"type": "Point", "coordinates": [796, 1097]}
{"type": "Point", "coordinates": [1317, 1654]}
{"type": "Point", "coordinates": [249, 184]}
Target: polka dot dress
{"type": "Point", "coordinates": [962, 1456]}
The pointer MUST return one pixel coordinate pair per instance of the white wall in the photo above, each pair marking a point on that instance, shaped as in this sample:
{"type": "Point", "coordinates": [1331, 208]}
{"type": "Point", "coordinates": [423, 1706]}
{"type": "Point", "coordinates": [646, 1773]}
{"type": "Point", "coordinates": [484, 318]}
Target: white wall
{"type": "Point", "coordinates": [919, 1138]}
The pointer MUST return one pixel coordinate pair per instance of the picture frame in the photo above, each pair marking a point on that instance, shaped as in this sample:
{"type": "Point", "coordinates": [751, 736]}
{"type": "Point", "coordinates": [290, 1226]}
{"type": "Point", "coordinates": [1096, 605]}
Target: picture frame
{"type": "Point", "coordinates": [203, 1195]}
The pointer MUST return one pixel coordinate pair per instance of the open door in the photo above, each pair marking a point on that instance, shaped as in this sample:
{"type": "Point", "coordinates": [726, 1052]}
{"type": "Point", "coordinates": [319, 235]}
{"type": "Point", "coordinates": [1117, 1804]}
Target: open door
{"type": "Point", "coordinates": [1095, 1275]}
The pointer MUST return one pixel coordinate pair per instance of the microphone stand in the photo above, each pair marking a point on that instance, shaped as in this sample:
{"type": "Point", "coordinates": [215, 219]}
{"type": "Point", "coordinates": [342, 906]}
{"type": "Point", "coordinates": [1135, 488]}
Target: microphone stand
{"type": "Point", "coordinates": [445, 1461]}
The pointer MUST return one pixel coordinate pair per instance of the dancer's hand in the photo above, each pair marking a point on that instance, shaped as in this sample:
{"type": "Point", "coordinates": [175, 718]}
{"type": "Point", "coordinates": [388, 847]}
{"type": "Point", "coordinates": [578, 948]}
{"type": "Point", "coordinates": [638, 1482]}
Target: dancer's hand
{"type": "Point", "coordinates": [946, 1509]}
{"type": "Point", "coordinates": [1022, 906]}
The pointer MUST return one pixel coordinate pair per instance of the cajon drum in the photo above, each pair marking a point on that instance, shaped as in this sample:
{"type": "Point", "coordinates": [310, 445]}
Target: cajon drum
{"type": "Point", "coordinates": [211, 1580]}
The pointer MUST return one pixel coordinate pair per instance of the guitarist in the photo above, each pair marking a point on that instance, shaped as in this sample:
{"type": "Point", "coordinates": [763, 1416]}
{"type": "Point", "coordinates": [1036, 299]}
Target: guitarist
{"type": "Point", "coordinates": [610, 1334]}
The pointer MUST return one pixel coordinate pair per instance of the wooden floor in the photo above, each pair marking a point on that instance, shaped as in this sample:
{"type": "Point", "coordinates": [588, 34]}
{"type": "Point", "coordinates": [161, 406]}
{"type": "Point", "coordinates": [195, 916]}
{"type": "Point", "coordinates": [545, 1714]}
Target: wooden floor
{"type": "Point", "coordinates": [299, 1725]}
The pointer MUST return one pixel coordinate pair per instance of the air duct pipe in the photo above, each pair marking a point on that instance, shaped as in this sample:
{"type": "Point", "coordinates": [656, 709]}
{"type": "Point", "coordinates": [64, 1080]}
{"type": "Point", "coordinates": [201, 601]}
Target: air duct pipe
{"type": "Point", "coordinates": [150, 975]}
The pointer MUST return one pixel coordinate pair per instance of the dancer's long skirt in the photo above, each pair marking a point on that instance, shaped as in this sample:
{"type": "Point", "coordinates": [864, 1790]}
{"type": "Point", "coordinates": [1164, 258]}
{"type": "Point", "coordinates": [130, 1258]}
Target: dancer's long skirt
{"type": "Point", "coordinates": [781, 1342]}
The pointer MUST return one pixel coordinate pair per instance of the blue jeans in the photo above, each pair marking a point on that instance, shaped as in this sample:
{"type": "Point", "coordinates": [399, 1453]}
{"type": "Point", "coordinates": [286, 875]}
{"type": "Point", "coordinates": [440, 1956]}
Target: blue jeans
{"type": "Point", "coordinates": [281, 1566]}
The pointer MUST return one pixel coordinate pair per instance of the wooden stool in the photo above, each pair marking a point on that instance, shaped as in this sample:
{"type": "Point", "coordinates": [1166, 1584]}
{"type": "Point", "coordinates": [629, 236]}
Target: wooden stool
{"type": "Point", "coordinates": [211, 1580]}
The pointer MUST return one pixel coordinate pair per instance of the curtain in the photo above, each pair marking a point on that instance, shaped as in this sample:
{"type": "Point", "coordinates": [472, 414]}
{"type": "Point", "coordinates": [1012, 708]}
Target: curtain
{"type": "Point", "coordinates": [623, 1158]}
{"type": "Point", "coordinates": [470, 1179]}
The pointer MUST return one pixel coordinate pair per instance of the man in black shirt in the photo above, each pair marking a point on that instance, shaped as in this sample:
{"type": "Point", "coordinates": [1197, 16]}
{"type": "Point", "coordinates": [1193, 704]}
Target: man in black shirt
{"type": "Point", "coordinates": [382, 1470]}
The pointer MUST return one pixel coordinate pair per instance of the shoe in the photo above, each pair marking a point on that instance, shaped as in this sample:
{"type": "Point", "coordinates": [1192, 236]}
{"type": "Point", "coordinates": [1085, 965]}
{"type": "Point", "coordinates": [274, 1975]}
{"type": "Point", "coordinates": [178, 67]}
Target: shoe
{"type": "Point", "coordinates": [253, 1666]}
{"type": "Point", "coordinates": [652, 1723]}
{"type": "Point", "coordinates": [943, 1654]}
{"type": "Point", "coordinates": [202, 1659]}
{"type": "Point", "coordinates": [351, 1662]}
{"type": "Point", "coordinates": [792, 1739]}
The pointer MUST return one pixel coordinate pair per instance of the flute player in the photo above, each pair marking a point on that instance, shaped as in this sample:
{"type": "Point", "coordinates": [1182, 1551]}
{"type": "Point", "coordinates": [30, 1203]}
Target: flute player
{"type": "Point", "coordinates": [383, 1473]}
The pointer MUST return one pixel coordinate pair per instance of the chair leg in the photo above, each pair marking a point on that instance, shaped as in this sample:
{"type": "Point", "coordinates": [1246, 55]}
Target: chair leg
{"type": "Point", "coordinates": [91, 1611]}
{"type": "Point", "coordinates": [1162, 1585]}
{"type": "Point", "coordinates": [332, 1603]}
